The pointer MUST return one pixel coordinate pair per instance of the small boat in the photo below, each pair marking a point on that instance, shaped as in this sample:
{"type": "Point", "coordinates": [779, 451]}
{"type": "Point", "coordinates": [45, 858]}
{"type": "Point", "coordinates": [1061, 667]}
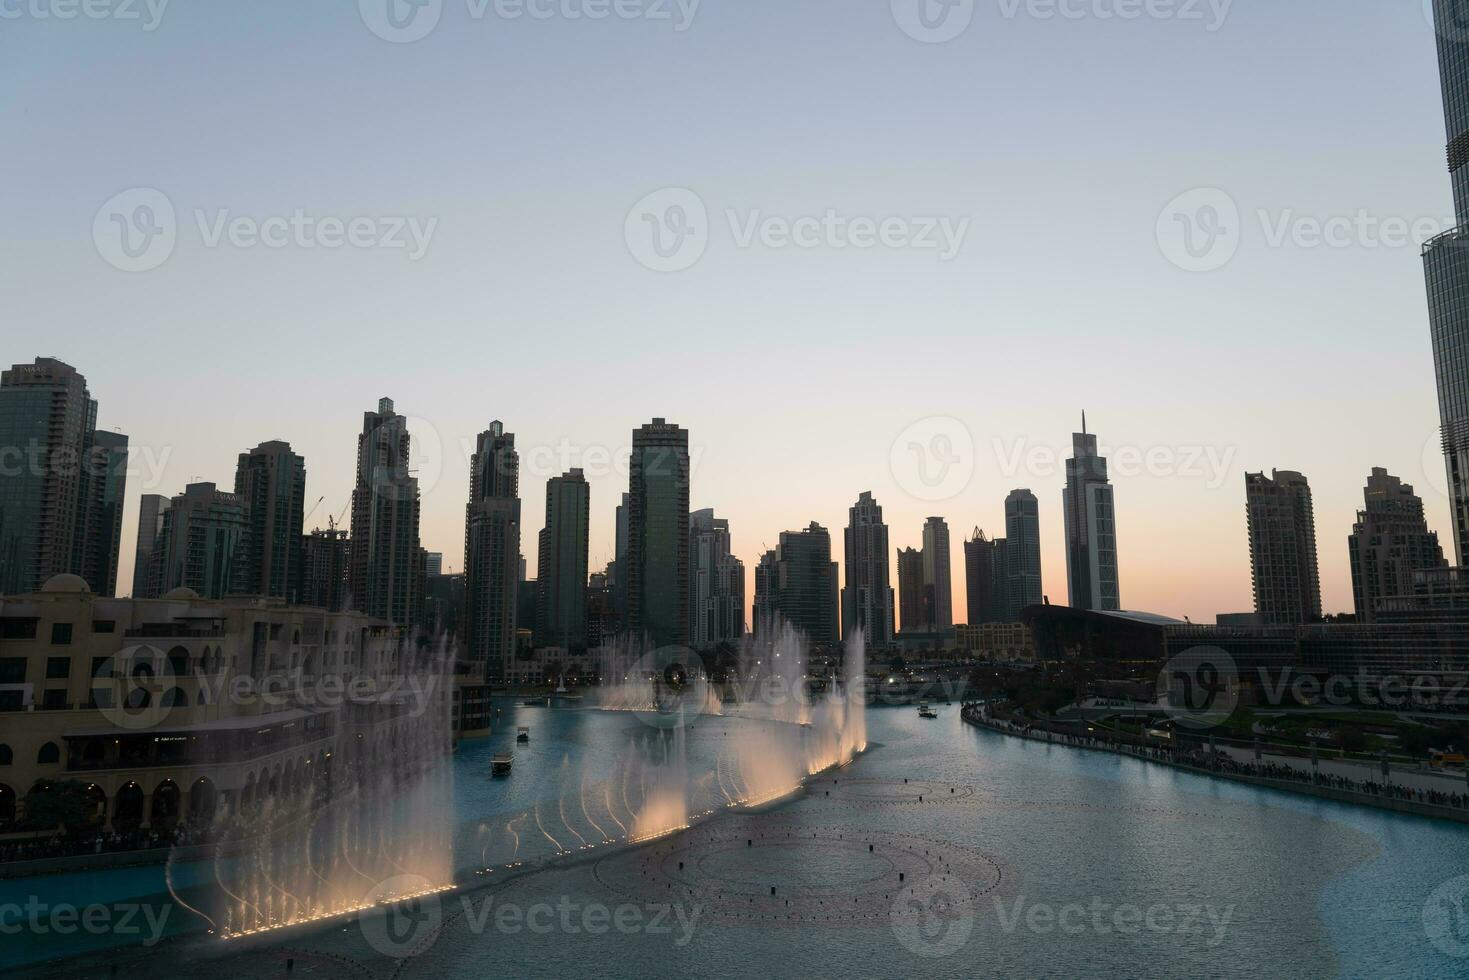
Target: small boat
{"type": "Point", "coordinates": [924, 711]}
{"type": "Point", "coordinates": [500, 765]}
{"type": "Point", "coordinates": [522, 734]}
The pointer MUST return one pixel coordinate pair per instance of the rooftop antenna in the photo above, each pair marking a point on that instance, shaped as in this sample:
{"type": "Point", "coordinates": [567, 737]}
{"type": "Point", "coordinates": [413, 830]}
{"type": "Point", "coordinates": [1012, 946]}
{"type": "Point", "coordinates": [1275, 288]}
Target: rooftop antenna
{"type": "Point", "coordinates": [1083, 421]}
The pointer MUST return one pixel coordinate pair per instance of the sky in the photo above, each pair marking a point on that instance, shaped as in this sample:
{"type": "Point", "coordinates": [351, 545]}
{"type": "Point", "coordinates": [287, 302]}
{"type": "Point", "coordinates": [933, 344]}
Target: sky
{"type": "Point", "coordinates": [849, 244]}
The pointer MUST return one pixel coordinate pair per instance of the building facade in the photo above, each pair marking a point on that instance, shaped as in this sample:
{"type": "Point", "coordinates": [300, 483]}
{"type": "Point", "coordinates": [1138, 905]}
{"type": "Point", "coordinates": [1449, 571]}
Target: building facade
{"type": "Point", "coordinates": [561, 567]}
{"type": "Point", "coordinates": [716, 583]}
{"type": "Point", "coordinates": [938, 580]}
{"type": "Point", "coordinates": [151, 508]}
{"type": "Point", "coordinates": [326, 557]}
{"type": "Point", "coordinates": [1389, 544]}
{"type": "Point", "coordinates": [492, 554]}
{"type": "Point", "coordinates": [1091, 528]}
{"type": "Point", "coordinates": [272, 481]}
{"type": "Point", "coordinates": [1283, 565]}
{"type": "Point", "coordinates": [912, 593]}
{"type": "Point", "coordinates": [1022, 550]}
{"type": "Point", "coordinates": [189, 738]}
{"type": "Point", "coordinates": [202, 544]}
{"type": "Point", "coordinates": [867, 599]}
{"type": "Point", "coordinates": [1446, 271]}
{"type": "Point", "coordinates": [797, 583]}
{"type": "Point", "coordinates": [984, 579]}
{"type": "Point", "coordinates": [658, 535]}
{"type": "Point", "coordinates": [386, 575]}
{"type": "Point", "coordinates": [60, 499]}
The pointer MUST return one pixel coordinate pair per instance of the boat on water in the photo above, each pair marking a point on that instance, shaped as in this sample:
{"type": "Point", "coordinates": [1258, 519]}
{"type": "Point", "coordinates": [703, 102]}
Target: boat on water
{"type": "Point", "coordinates": [501, 763]}
{"type": "Point", "coordinates": [924, 711]}
{"type": "Point", "coordinates": [522, 734]}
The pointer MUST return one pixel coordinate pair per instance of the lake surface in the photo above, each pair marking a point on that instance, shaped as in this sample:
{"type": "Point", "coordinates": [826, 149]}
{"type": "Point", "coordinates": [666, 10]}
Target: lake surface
{"type": "Point", "coordinates": [1017, 859]}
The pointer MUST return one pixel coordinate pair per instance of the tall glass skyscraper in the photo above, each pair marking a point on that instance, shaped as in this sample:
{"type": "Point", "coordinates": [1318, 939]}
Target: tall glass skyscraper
{"type": "Point", "coordinates": [867, 600]}
{"type": "Point", "coordinates": [1091, 527]}
{"type": "Point", "coordinates": [272, 480]}
{"type": "Point", "coordinates": [561, 566]}
{"type": "Point", "coordinates": [492, 553]}
{"type": "Point", "coordinates": [1446, 268]}
{"type": "Point", "coordinates": [1022, 552]}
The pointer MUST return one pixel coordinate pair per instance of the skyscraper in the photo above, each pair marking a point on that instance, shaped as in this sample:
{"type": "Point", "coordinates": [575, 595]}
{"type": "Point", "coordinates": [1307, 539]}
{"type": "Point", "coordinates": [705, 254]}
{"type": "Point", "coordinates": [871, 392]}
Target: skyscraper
{"type": "Point", "coordinates": [1446, 270]}
{"type": "Point", "coordinates": [49, 512]}
{"type": "Point", "coordinates": [1389, 542]}
{"type": "Point", "coordinates": [798, 583]}
{"type": "Point", "coordinates": [984, 575]}
{"type": "Point", "coordinates": [151, 508]}
{"type": "Point", "coordinates": [1091, 529]}
{"type": "Point", "coordinates": [618, 571]}
{"type": "Point", "coordinates": [658, 535]}
{"type": "Point", "coordinates": [492, 552]}
{"type": "Point", "coordinates": [867, 600]}
{"type": "Point", "coordinates": [561, 568]}
{"type": "Point", "coordinates": [912, 593]}
{"type": "Point", "coordinates": [385, 576]}
{"type": "Point", "coordinates": [1282, 526]}
{"type": "Point", "coordinates": [434, 565]}
{"type": "Point", "coordinates": [106, 486]}
{"type": "Point", "coordinates": [202, 545]}
{"type": "Point", "coordinates": [1022, 553]}
{"type": "Point", "coordinates": [767, 575]}
{"type": "Point", "coordinates": [716, 583]}
{"type": "Point", "coordinates": [326, 557]}
{"type": "Point", "coordinates": [272, 480]}
{"type": "Point", "coordinates": [938, 580]}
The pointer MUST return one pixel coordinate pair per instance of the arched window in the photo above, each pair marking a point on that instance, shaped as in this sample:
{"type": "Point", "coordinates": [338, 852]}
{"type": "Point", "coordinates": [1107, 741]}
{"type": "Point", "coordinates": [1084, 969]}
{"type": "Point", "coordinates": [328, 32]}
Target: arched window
{"type": "Point", "coordinates": [49, 755]}
{"type": "Point", "coordinates": [6, 756]}
{"type": "Point", "coordinates": [7, 806]}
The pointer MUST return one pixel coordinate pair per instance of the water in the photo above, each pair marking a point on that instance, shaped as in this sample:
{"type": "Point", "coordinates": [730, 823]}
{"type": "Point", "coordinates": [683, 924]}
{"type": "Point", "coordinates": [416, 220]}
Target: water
{"type": "Point", "coordinates": [1303, 887]}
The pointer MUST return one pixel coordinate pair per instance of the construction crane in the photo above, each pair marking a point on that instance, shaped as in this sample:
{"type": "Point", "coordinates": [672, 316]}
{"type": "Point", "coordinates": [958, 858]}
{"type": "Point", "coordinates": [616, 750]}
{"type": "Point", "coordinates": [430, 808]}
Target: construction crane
{"type": "Point", "coordinates": [313, 509]}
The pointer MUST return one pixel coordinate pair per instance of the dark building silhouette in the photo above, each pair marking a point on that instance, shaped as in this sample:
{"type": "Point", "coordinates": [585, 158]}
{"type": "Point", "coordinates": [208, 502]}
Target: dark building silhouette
{"type": "Point", "coordinates": [658, 535]}
{"type": "Point", "coordinates": [272, 481]}
{"type": "Point", "coordinates": [1389, 544]}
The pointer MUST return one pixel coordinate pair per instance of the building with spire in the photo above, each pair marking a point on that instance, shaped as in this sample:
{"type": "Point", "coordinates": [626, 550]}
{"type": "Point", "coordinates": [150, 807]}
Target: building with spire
{"type": "Point", "coordinates": [1091, 528]}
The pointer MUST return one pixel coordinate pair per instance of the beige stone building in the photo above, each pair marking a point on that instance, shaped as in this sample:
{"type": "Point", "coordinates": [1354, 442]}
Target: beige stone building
{"type": "Point", "coordinates": [181, 709]}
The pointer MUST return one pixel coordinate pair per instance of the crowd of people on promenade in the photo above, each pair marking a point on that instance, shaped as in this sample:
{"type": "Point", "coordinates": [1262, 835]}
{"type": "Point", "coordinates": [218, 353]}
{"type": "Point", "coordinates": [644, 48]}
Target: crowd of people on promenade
{"type": "Point", "coordinates": [1215, 761]}
{"type": "Point", "coordinates": [99, 842]}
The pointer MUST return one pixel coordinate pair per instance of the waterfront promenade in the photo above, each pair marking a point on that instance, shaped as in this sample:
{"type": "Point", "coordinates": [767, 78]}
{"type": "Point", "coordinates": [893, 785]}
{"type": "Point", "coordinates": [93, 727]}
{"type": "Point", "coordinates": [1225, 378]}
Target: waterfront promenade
{"type": "Point", "coordinates": [1432, 803]}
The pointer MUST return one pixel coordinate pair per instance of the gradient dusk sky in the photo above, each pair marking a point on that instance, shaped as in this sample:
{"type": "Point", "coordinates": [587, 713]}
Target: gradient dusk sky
{"type": "Point", "coordinates": [1061, 140]}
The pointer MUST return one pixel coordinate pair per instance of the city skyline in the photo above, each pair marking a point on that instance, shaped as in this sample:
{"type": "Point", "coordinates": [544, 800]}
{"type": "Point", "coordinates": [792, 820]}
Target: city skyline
{"type": "Point", "coordinates": [613, 470]}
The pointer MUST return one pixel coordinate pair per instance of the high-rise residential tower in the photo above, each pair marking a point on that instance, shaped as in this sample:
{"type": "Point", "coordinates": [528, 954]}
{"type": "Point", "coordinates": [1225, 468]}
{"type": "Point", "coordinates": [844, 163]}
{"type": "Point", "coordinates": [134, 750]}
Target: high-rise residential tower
{"type": "Point", "coordinates": [716, 583]}
{"type": "Point", "coordinates": [1389, 542]}
{"type": "Point", "coordinates": [1022, 553]}
{"type": "Point", "coordinates": [272, 480]}
{"type": "Point", "coordinates": [561, 565]}
{"type": "Point", "coordinates": [938, 579]}
{"type": "Point", "coordinates": [1282, 526]}
{"type": "Point", "coordinates": [325, 558]}
{"type": "Point", "coordinates": [912, 593]}
{"type": "Point", "coordinates": [492, 553]}
{"type": "Point", "coordinates": [798, 583]}
{"type": "Point", "coordinates": [151, 508]}
{"type": "Point", "coordinates": [984, 575]}
{"type": "Point", "coordinates": [106, 486]}
{"type": "Point", "coordinates": [658, 535]}
{"type": "Point", "coordinates": [1091, 528]}
{"type": "Point", "coordinates": [385, 575]}
{"type": "Point", "coordinates": [1446, 269]}
{"type": "Point", "coordinates": [202, 544]}
{"type": "Point", "coordinates": [867, 600]}
{"type": "Point", "coordinates": [54, 519]}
